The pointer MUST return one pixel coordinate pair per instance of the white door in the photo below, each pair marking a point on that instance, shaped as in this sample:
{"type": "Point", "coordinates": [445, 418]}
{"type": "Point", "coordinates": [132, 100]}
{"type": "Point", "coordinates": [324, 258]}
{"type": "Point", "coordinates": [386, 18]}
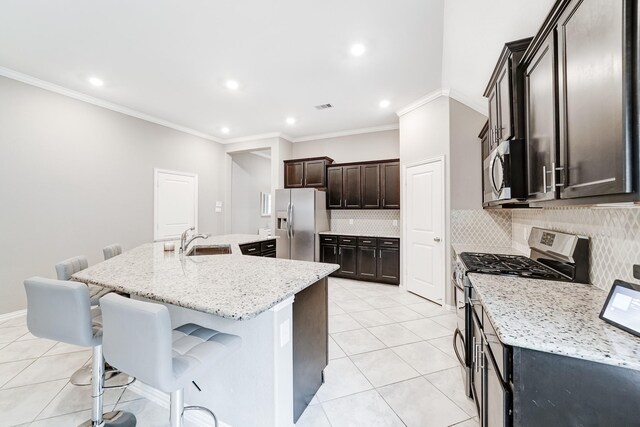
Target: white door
{"type": "Point", "coordinates": [175, 204]}
{"type": "Point", "coordinates": [424, 232]}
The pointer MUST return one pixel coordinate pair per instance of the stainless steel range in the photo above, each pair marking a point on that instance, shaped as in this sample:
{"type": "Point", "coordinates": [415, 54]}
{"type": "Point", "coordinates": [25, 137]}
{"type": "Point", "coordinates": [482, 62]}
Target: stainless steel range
{"type": "Point", "coordinates": [554, 256]}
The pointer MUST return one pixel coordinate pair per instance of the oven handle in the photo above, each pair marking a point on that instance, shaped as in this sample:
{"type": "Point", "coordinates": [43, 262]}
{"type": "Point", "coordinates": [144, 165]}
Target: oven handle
{"type": "Point", "coordinates": [456, 334]}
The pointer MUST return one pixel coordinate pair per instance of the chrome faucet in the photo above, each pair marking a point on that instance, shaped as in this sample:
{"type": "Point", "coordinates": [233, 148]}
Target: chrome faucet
{"type": "Point", "coordinates": [184, 243]}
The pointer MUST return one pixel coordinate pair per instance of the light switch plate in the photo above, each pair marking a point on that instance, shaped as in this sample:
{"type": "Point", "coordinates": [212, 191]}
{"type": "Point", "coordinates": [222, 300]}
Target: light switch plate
{"type": "Point", "coordinates": [218, 204]}
{"type": "Point", "coordinates": [218, 209]}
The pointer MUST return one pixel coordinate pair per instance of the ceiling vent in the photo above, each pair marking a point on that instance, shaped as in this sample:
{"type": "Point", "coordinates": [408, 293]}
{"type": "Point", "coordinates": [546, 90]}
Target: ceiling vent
{"type": "Point", "coordinates": [323, 106]}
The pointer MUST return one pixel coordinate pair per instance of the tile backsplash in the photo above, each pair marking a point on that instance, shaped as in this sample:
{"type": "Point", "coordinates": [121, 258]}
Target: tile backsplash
{"type": "Point", "coordinates": [614, 233]}
{"type": "Point", "coordinates": [374, 222]}
{"type": "Point", "coordinates": [481, 227]}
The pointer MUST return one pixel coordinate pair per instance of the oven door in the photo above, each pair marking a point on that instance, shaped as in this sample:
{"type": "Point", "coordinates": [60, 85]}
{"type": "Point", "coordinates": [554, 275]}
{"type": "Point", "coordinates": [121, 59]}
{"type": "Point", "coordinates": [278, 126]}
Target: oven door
{"type": "Point", "coordinates": [460, 338]}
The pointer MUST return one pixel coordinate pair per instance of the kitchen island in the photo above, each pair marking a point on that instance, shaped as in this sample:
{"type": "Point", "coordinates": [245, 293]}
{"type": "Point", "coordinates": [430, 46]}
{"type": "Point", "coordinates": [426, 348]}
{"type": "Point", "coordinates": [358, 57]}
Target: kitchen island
{"type": "Point", "coordinates": [278, 307]}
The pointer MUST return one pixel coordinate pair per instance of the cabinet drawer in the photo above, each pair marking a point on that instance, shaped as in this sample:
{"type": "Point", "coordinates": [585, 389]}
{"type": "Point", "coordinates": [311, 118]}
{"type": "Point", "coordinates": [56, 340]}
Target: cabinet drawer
{"type": "Point", "coordinates": [250, 249]}
{"type": "Point", "coordinates": [367, 241]}
{"type": "Point", "coordinates": [328, 239]}
{"type": "Point", "coordinates": [388, 243]}
{"type": "Point", "coordinates": [268, 246]}
{"type": "Point", "coordinates": [347, 240]}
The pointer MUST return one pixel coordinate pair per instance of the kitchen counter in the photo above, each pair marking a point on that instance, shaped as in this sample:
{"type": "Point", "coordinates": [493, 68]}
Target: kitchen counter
{"type": "Point", "coordinates": [554, 317]}
{"type": "Point", "coordinates": [338, 233]}
{"type": "Point", "coordinates": [232, 286]}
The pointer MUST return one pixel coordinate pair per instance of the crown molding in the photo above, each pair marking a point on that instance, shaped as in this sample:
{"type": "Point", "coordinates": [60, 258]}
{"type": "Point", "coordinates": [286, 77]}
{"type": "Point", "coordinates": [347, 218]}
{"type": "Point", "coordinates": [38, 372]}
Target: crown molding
{"type": "Point", "coordinates": [348, 132]}
{"type": "Point", "coordinates": [465, 99]}
{"type": "Point", "coordinates": [252, 137]}
{"type": "Point", "coordinates": [33, 81]}
{"type": "Point", "coordinates": [430, 97]}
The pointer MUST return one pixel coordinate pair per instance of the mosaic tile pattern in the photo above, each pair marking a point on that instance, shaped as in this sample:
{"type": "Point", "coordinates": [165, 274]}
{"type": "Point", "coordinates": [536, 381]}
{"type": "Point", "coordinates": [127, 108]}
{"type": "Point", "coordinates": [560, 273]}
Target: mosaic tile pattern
{"type": "Point", "coordinates": [481, 227]}
{"type": "Point", "coordinates": [614, 233]}
{"type": "Point", "coordinates": [366, 222]}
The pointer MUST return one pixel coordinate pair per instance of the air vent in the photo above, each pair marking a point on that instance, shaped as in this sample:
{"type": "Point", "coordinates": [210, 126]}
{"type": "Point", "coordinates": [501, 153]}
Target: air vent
{"type": "Point", "coordinates": [323, 106]}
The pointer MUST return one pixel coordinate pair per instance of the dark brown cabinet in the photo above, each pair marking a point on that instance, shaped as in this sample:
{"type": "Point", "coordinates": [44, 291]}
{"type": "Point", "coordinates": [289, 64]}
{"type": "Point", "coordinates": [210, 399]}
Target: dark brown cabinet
{"type": "Point", "coordinates": [347, 258]}
{"type": "Point", "coordinates": [368, 185]}
{"type": "Point", "coordinates": [541, 118]}
{"type": "Point", "coordinates": [595, 98]}
{"type": "Point", "coordinates": [390, 185]}
{"type": "Point", "coordinates": [364, 258]}
{"type": "Point", "coordinates": [580, 77]}
{"type": "Point", "coordinates": [265, 249]}
{"type": "Point", "coordinates": [306, 173]}
{"type": "Point", "coordinates": [504, 93]}
{"type": "Point", "coordinates": [351, 187]}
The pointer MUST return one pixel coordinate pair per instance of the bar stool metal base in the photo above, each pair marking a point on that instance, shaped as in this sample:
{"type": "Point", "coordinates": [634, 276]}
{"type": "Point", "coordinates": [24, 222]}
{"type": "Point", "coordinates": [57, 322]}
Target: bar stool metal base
{"type": "Point", "coordinates": [82, 377]}
{"type": "Point", "coordinates": [177, 408]}
{"type": "Point", "coordinates": [113, 419]}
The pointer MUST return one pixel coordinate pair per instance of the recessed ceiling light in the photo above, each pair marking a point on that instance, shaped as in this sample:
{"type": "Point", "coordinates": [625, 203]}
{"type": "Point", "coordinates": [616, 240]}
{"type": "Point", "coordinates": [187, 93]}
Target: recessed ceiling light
{"type": "Point", "coordinates": [232, 84]}
{"type": "Point", "coordinates": [224, 130]}
{"type": "Point", "coordinates": [291, 120]}
{"type": "Point", "coordinates": [96, 81]}
{"type": "Point", "coordinates": [384, 103]}
{"type": "Point", "coordinates": [358, 49]}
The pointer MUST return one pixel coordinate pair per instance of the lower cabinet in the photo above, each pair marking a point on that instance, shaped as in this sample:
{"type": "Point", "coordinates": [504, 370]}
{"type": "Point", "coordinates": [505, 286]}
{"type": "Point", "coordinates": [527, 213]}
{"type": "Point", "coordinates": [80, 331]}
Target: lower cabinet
{"type": "Point", "coordinates": [265, 249]}
{"type": "Point", "coordinates": [363, 258]}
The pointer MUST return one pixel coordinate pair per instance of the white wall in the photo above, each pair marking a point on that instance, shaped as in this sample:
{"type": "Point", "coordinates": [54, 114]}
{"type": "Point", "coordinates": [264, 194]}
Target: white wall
{"type": "Point", "coordinates": [475, 32]}
{"type": "Point", "coordinates": [250, 175]}
{"type": "Point", "coordinates": [75, 177]}
{"type": "Point", "coordinates": [466, 157]}
{"type": "Point", "coordinates": [352, 148]}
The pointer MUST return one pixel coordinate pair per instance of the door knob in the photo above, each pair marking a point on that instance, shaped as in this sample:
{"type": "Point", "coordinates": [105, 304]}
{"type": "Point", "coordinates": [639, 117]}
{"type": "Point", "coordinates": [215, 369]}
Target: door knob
{"type": "Point", "coordinates": [436, 239]}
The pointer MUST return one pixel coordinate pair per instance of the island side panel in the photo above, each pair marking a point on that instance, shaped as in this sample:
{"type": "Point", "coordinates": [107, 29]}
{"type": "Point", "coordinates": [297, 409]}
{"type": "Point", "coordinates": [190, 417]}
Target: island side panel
{"type": "Point", "coordinates": [555, 390]}
{"type": "Point", "coordinates": [310, 343]}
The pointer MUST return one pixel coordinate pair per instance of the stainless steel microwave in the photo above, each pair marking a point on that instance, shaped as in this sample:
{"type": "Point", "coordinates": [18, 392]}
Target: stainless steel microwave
{"type": "Point", "coordinates": [504, 174]}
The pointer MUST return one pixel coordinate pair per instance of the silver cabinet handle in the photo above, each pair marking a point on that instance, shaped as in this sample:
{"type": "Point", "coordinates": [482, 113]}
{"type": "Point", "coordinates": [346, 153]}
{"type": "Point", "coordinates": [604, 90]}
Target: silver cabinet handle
{"type": "Point", "coordinates": [334, 250]}
{"type": "Point", "coordinates": [475, 355]}
{"type": "Point", "coordinates": [556, 170]}
{"type": "Point", "coordinates": [544, 178]}
{"type": "Point", "coordinates": [374, 253]}
{"type": "Point", "coordinates": [383, 202]}
{"type": "Point", "coordinates": [380, 253]}
{"type": "Point", "coordinates": [340, 251]}
{"type": "Point", "coordinates": [436, 239]}
{"type": "Point", "coordinates": [553, 176]}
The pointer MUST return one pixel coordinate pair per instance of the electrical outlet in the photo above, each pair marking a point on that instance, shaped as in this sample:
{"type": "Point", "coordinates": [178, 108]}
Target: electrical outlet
{"type": "Point", "coordinates": [636, 271]}
{"type": "Point", "coordinates": [350, 222]}
{"type": "Point", "coordinates": [218, 210]}
{"type": "Point", "coordinates": [395, 222]}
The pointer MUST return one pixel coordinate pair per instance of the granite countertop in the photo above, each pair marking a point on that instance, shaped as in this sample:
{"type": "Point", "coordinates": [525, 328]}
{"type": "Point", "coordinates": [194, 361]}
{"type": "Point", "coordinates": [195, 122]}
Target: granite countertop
{"type": "Point", "coordinates": [341, 233]}
{"type": "Point", "coordinates": [555, 317]}
{"type": "Point", "coordinates": [233, 286]}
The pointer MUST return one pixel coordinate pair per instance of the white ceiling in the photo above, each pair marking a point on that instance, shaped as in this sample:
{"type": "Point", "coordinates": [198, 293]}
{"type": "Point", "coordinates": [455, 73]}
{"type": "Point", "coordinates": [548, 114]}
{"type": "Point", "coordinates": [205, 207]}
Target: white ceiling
{"type": "Point", "coordinates": [170, 59]}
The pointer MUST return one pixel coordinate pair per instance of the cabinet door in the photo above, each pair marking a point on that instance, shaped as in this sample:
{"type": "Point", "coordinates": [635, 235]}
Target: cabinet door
{"type": "Point", "coordinates": [347, 257]}
{"type": "Point", "coordinates": [494, 119]}
{"type": "Point", "coordinates": [477, 373]}
{"type": "Point", "coordinates": [329, 254]}
{"type": "Point", "coordinates": [367, 266]}
{"type": "Point", "coordinates": [541, 120]}
{"type": "Point", "coordinates": [595, 150]}
{"type": "Point", "coordinates": [389, 265]}
{"type": "Point", "coordinates": [370, 186]}
{"type": "Point", "coordinates": [314, 174]}
{"type": "Point", "coordinates": [505, 125]}
{"type": "Point", "coordinates": [390, 185]}
{"type": "Point", "coordinates": [351, 187]}
{"type": "Point", "coordinates": [497, 398]}
{"type": "Point", "coordinates": [294, 174]}
{"type": "Point", "coordinates": [334, 187]}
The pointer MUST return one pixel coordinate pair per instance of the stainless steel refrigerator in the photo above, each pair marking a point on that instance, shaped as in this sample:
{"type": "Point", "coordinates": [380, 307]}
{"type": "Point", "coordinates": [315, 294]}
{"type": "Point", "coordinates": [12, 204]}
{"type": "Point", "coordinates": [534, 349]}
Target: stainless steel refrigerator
{"type": "Point", "coordinates": [300, 214]}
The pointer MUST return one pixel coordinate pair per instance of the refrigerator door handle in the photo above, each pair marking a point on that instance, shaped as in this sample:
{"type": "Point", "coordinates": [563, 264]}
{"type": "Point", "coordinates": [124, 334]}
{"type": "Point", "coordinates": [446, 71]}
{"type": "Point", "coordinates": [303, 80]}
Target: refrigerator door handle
{"type": "Point", "coordinates": [291, 220]}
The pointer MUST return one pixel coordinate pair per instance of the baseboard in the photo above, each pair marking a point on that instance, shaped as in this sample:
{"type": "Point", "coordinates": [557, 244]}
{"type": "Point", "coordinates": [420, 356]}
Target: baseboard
{"type": "Point", "coordinates": [197, 417]}
{"type": "Point", "coordinates": [12, 315]}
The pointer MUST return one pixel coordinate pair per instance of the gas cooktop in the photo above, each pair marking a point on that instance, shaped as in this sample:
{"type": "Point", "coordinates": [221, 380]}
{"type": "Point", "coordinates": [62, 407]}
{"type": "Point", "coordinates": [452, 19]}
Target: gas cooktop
{"type": "Point", "coordinates": [511, 265]}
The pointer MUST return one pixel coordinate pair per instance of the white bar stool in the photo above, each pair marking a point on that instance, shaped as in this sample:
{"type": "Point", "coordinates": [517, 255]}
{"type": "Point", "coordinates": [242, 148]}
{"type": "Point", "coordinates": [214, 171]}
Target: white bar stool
{"type": "Point", "coordinates": [111, 251]}
{"type": "Point", "coordinates": [60, 310]}
{"type": "Point", "coordinates": [138, 340]}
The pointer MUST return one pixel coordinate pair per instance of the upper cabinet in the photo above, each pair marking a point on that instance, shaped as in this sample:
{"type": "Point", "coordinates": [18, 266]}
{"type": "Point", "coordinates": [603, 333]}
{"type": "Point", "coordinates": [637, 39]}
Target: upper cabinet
{"type": "Point", "coordinates": [306, 173]}
{"type": "Point", "coordinates": [504, 93]}
{"type": "Point", "coordinates": [580, 96]}
{"type": "Point", "coordinates": [367, 185]}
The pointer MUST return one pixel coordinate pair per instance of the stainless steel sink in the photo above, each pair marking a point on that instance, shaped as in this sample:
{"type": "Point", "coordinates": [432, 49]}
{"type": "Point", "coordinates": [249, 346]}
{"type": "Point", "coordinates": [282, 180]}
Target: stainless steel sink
{"type": "Point", "coordinates": [209, 250]}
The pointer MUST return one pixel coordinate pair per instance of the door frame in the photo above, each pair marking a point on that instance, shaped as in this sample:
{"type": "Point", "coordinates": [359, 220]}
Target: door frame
{"type": "Point", "coordinates": [445, 240]}
{"type": "Point", "coordinates": [157, 171]}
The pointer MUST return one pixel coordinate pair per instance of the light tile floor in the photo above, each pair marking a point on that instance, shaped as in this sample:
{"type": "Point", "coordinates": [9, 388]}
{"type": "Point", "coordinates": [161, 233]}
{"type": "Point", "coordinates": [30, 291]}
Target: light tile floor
{"type": "Point", "coordinates": [391, 364]}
